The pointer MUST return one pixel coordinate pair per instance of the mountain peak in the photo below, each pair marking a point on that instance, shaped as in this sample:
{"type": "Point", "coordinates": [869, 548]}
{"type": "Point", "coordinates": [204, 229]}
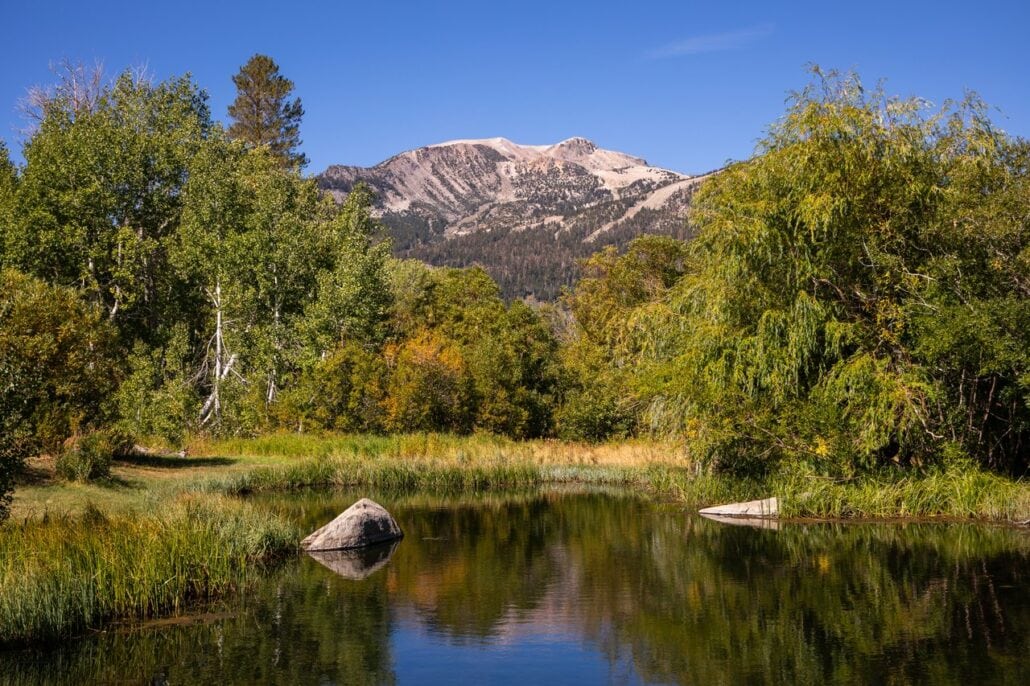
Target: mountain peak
{"type": "Point", "coordinates": [577, 144]}
{"type": "Point", "coordinates": [485, 200]}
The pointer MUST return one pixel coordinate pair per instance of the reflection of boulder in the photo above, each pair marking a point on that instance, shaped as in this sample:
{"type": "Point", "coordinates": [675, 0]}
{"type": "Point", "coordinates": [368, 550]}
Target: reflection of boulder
{"type": "Point", "coordinates": [363, 523]}
{"type": "Point", "coordinates": [359, 563]}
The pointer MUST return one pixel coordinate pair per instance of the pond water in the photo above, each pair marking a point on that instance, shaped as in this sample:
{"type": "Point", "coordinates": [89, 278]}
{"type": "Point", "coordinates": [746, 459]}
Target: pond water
{"type": "Point", "coordinates": [583, 587]}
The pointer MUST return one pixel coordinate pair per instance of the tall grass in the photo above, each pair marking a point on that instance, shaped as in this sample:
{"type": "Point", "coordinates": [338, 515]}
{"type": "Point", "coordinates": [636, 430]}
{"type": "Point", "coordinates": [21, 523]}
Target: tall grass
{"type": "Point", "coordinates": [438, 462]}
{"type": "Point", "coordinates": [955, 490]}
{"type": "Point", "coordinates": [63, 576]}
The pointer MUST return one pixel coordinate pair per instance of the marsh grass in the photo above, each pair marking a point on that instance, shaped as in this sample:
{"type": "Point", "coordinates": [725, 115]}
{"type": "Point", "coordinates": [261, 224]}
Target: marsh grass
{"type": "Point", "coordinates": [61, 576]}
{"type": "Point", "coordinates": [955, 489]}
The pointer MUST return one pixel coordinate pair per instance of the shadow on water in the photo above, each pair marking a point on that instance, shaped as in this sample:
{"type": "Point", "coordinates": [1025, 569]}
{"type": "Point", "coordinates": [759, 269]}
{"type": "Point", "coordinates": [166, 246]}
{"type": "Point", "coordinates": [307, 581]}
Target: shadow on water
{"type": "Point", "coordinates": [174, 462]}
{"type": "Point", "coordinates": [539, 587]}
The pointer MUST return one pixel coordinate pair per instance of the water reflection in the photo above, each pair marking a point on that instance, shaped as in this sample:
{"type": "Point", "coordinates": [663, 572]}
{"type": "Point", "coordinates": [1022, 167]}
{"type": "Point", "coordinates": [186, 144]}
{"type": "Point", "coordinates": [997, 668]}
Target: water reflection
{"type": "Point", "coordinates": [356, 564]}
{"type": "Point", "coordinates": [557, 587]}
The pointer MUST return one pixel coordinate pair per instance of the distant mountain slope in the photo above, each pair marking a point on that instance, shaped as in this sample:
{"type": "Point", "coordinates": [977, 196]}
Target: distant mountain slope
{"type": "Point", "coordinates": [524, 212]}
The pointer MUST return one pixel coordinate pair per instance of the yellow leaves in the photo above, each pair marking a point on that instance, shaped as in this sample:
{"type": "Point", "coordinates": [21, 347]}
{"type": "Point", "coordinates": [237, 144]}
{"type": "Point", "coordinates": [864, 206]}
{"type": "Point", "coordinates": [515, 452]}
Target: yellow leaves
{"type": "Point", "coordinates": [890, 322]}
{"type": "Point", "coordinates": [822, 447]}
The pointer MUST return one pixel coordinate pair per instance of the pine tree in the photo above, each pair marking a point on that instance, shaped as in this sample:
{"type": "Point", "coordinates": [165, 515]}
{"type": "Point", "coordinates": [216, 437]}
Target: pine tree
{"type": "Point", "coordinates": [262, 114]}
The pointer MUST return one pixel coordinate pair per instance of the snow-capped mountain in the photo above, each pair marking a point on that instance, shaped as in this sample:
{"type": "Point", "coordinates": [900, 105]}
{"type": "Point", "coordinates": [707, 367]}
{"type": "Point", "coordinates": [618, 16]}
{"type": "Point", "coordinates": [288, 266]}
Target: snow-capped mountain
{"type": "Point", "coordinates": [524, 212]}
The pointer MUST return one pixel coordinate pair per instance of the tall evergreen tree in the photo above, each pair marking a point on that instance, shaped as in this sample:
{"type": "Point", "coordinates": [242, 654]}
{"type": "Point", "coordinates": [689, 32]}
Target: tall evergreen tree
{"type": "Point", "coordinates": [262, 113]}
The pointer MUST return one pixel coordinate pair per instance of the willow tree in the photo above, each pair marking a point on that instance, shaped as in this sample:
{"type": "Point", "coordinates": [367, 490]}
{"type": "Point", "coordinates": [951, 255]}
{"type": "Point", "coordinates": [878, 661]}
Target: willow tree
{"type": "Point", "coordinates": [857, 291]}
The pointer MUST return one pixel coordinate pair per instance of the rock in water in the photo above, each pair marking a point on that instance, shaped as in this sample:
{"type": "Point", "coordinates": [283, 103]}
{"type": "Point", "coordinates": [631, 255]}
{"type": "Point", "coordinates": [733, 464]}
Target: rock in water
{"type": "Point", "coordinates": [362, 524]}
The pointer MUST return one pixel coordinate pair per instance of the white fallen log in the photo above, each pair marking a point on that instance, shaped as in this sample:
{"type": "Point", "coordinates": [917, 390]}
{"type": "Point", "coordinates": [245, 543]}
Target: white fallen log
{"type": "Point", "coordinates": [769, 507]}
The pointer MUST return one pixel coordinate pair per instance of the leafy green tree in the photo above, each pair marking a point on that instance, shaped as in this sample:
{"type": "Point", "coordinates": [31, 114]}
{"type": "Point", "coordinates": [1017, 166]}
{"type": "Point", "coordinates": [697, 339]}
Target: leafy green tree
{"type": "Point", "coordinates": [607, 337]}
{"type": "Point", "coordinates": [8, 184]}
{"type": "Point", "coordinates": [343, 391]}
{"type": "Point", "coordinates": [354, 296]}
{"type": "Point", "coordinates": [253, 243]}
{"type": "Point", "coordinates": [56, 370]}
{"type": "Point", "coordinates": [856, 294]}
{"type": "Point", "coordinates": [100, 197]}
{"type": "Point", "coordinates": [429, 388]}
{"type": "Point", "coordinates": [157, 397]}
{"type": "Point", "coordinates": [510, 354]}
{"type": "Point", "coordinates": [263, 115]}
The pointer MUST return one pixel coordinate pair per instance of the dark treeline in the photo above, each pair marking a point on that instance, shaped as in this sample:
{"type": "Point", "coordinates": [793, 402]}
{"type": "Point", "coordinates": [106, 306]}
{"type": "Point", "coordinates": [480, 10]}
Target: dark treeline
{"type": "Point", "coordinates": [855, 295]}
{"type": "Point", "coordinates": [534, 263]}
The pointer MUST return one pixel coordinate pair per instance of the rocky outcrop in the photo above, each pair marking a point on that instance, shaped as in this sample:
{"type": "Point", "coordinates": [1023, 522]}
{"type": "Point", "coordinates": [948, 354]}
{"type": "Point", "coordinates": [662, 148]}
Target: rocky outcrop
{"type": "Point", "coordinates": [362, 524]}
{"type": "Point", "coordinates": [483, 201]}
{"type": "Point", "coordinates": [769, 507]}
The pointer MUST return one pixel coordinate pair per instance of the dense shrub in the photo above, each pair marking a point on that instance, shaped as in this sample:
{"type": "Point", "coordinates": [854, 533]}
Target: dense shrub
{"type": "Point", "coordinates": [56, 369]}
{"type": "Point", "coordinates": [88, 457]}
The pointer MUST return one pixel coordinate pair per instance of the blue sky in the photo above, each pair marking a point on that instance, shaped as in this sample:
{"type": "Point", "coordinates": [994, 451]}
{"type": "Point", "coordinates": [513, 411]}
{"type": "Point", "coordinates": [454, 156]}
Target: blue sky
{"type": "Point", "coordinates": [686, 85]}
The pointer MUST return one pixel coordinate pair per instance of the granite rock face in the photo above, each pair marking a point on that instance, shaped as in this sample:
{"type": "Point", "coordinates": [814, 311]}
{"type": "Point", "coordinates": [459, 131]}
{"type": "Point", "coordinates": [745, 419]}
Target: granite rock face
{"type": "Point", "coordinates": [525, 213]}
{"type": "Point", "coordinates": [362, 524]}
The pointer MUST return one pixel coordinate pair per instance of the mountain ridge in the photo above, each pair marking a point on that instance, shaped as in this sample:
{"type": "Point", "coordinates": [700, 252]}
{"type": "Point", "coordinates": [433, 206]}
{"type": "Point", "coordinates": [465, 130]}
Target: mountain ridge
{"type": "Point", "coordinates": [494, 202]}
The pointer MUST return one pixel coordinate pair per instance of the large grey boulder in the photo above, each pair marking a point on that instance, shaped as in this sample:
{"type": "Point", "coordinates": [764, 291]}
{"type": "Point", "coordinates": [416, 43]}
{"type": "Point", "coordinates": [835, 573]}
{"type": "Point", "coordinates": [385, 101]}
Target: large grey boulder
{"type": "Point", "coordinates": [362, 524]}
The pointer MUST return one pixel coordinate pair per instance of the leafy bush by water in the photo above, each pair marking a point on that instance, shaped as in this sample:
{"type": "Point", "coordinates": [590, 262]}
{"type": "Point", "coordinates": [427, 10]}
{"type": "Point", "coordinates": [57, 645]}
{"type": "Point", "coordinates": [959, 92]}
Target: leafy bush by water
{"type": "Point", "coordinates": [88, 457]}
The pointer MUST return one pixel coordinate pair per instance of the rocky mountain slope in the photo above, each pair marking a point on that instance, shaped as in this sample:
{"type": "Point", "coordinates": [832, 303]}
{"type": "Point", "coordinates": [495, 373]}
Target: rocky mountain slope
{"type": "Point", "coordinates": [524, 212]}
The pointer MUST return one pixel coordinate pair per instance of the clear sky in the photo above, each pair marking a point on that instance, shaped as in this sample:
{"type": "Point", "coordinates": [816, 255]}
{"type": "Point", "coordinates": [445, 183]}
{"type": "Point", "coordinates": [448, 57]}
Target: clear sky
{"type": "Point", "coordinates": [686, 85]}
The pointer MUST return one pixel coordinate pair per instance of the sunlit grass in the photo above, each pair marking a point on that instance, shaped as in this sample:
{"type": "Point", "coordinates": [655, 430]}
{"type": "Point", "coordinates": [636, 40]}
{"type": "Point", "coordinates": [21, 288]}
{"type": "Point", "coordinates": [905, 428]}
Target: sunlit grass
{"type": "Point", "coordinates": [64, 575]}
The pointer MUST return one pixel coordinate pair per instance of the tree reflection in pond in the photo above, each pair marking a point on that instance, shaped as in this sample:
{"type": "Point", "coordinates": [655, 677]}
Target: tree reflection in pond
{"type": "Point", "coordinates": [603, 585]}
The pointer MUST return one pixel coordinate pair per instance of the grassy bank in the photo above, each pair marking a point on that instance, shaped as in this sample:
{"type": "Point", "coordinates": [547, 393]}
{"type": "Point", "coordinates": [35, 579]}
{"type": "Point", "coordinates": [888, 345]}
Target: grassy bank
{"type": "Point", "coordinates": [433, 462]}
{"type": "Point", "coordinates": [67, 565]}
{"type": "Point", "coordinates": [63, 575]}
{"type": "Point", "coordinates": [436, 462]}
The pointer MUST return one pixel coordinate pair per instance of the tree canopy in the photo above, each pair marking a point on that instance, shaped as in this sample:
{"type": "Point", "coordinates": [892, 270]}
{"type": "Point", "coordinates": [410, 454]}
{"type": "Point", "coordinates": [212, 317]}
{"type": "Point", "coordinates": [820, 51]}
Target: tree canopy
{"type": "Point", "coordinates": [857, 291]}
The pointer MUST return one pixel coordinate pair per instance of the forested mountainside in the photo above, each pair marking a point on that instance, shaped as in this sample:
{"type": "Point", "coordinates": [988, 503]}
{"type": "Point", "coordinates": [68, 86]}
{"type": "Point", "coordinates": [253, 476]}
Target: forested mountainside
{"type": "Point", "coordinates": [526, 213]}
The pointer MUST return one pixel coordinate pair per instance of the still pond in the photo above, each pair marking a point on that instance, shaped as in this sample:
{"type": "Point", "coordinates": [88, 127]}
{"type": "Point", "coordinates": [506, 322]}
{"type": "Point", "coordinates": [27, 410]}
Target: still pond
{"type": "Point", "coordinates": [591, 587]}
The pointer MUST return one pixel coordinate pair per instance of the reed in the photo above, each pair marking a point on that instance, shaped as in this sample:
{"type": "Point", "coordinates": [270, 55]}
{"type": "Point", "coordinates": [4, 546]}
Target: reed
{"type": "Point", "coordinates": [954, 489]}
{"type": "Point", "coordinates": [65, 575]}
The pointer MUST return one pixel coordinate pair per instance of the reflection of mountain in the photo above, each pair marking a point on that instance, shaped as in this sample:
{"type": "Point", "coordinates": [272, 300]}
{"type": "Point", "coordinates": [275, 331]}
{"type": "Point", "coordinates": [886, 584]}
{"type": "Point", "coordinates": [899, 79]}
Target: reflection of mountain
{"type": "Point", "coordinates": [603, 583]}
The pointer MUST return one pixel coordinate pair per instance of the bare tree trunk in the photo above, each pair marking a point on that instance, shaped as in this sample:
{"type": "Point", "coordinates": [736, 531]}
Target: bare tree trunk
{"type": "Point", "coordinates": [213, 405]}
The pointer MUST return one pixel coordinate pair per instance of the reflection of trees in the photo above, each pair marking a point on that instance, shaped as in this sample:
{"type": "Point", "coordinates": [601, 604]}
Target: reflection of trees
{"type": "Point", "coordinates": [686, 600]}
{"type": "Point", "coordinates": [819, 603]}
{"type": "Point", "coordinates": [699, 602]}
{"type": "Point", "coordinates": [481, 564]}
